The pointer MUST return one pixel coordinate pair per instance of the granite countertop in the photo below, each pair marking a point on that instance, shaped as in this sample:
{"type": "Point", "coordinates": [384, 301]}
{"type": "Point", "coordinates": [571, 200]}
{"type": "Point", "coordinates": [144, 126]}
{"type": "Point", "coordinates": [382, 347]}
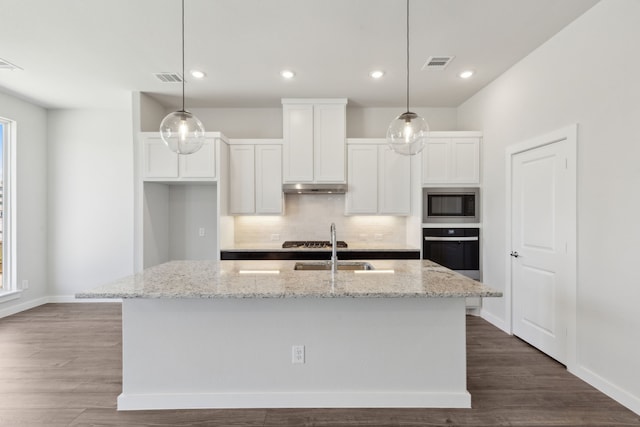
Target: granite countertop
{"type": "Point", "coordinates": [223, 279]}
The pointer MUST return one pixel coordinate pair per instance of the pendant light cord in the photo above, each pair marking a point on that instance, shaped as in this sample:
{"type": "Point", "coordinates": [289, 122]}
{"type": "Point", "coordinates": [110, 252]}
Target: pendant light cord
{"type": "Point", "coordinates": [407, 55]}
{"type": "Point", "coordinates": [183, 55]}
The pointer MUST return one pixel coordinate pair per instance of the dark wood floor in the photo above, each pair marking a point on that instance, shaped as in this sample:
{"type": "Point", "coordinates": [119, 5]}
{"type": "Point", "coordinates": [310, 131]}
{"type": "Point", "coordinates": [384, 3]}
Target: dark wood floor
{"type": "Point", "coordinates": [60, 365]}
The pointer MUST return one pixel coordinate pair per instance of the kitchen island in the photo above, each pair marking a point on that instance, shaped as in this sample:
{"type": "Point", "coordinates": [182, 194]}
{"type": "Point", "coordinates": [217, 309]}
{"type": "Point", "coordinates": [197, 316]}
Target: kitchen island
{"type": "Point", "coordinates": [207, 334]}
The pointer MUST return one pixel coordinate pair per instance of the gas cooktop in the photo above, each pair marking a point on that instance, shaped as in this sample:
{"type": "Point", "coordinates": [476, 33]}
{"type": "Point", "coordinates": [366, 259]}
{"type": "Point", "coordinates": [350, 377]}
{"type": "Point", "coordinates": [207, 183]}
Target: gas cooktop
{"type": "Point", "coordinates": [311, 244]}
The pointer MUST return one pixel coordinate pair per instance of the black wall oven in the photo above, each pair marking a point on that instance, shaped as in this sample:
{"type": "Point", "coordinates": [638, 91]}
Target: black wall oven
{"type": "Point", "coordinates": [454, 248]}
{"type": "Point", "coordinates": [452, 205]}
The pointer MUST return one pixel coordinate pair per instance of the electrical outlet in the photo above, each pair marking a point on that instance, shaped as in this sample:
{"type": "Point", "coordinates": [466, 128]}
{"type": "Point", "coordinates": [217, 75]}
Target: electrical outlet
{"type": "Point", "coordinates": [275, 237]}
{"type": "Point", "coordinates": [25, 284]}
{"type": "Point", "coordinates": [297, 354]}
{"type": "Point", "coordinates": [201, 232]}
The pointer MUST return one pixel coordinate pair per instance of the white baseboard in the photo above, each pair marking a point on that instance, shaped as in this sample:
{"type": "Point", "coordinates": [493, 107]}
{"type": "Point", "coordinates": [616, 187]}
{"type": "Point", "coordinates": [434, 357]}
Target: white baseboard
{"type": "Point", "coordinates": [27, 305]}
{"type": "Point", "coordinates": [139, 401]}
{"type": "Point", "coordinates": [621, 396]}
{"type": "Point", "coordinates": [72, 298]}
{"type": "Point", "coordinates": [494, 320]}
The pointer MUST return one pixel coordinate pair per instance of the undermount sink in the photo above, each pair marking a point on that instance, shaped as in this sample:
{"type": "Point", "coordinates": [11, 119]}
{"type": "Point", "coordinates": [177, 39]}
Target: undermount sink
{"type": "Point", "coordinates": [342, 265]}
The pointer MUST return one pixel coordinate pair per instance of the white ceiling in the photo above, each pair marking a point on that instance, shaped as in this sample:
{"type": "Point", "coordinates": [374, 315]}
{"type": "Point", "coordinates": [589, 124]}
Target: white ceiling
{"type": "Point", "coordinates": [93, 53]}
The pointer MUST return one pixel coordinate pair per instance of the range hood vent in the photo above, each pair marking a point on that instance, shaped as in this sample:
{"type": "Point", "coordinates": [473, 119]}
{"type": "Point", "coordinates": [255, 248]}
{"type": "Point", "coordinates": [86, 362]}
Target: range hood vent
{"type": "Point", "coordinates": [314, 188]}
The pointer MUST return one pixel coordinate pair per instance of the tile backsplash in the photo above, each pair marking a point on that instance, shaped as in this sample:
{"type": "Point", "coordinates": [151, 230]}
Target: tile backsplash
{"type": "Point", "coordinates": [308, 217]}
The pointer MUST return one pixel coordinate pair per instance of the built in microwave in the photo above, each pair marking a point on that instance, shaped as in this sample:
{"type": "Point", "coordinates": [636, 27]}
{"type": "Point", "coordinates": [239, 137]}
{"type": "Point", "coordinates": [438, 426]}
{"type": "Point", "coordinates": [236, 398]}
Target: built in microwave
{"type": "Point", "coordinates": [451, 205]}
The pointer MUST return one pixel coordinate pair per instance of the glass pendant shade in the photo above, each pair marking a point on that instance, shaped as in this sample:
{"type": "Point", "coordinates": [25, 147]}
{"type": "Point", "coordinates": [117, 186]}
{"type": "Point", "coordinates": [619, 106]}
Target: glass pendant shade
{"type": "Point", "coordinates": [407, 134]}
{"type": "Point", "coordinates": [182, 132]}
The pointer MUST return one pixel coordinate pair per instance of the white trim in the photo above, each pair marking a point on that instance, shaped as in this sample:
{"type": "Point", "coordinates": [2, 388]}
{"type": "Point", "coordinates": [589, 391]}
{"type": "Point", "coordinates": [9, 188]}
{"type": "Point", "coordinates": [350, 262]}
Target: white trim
{"type": "Point", "coordinates": [141, 401]}
{"type": "Point", "coordinates": [495, 320]}
{"type": "Point", "coordinates": [27, 305]}
{"type": "Point", "coordinates": [314, 101]}
{"type": "Point", "coordinates": [570, 135]}
{"type": "Point", "coordinates": [9, 295]}
{"type": "Point", "coordinates": [9, 262]}
{"type": "Point", "coordinates": [72, 298]}
{"type": "Point", "coordinates": [613, 391]}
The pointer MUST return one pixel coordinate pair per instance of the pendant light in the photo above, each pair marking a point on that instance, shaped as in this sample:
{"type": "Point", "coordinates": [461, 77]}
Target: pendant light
{"type": "Point", "coordinates": [182, 131]}
{"type": "Point", "coordinates": [407, 133]}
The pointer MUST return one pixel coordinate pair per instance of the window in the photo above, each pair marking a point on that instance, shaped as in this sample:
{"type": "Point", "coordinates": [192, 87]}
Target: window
{"type": "Point", "coordinates": [7, 207]}
{"type": "Point", "coordinates": [2, 286]}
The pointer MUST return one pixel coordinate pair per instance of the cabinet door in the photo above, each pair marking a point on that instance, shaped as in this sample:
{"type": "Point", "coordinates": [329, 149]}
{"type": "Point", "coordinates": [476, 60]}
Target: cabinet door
{"type": "Point", "coordinates": [158, 161]}
{"type": "Point", "coordinates": [329, 128]}
{"type": "Point", "coordinates": [201, 164]}
{"type": "Point", "coordinates": [394, 182]}
{"type": "Point", "coordinates": [298, 142]}
{"type": "Point", "coordinates": [241, 179]}
{"type": "Point", "coordinates": [465, 160]}
{"type": "Point", "coordinates": [362, 192]}
{"type": "Point", "coordinates": [436, 161]}
{"type": "Point", "coordinates": [268, 185]}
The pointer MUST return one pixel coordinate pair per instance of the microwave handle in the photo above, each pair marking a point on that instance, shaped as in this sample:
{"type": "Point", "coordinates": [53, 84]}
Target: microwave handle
{"type": "Point", "coordinates": [451, 239]}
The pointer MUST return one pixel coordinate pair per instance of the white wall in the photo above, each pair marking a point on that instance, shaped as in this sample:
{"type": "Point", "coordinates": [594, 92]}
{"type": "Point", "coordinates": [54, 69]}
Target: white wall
{"type": "Point", "coordinates": [31, 233]}
{"type": "Point", "coordinates": [585, 74]}
{"type": "Point", "coordinates": [192, 207]}
{"type": "Point", "coordinates": [267, 122]}
{"type": "Point", "coordinates": [90, 198]}
{"type": "Point", "coordinates": [373, 122]}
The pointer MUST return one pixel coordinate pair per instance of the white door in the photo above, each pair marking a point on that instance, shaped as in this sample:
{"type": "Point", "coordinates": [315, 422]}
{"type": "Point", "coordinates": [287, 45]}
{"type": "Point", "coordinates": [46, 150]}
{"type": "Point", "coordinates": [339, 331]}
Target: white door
{"type": "Point", "coordinates": [201, 164]}
{"type": "Point", "coordinates": [242, 182]}
{"type": "Point", "coordinates": [394, 182]}
{"type": "Point", "coordinates": [541, 248]}
{"type": "Point", "coordinates": [269, 195]}
{"type": "Point", "coordinates": [298, 142]}
{"type": "Point", "coordinates": [362, 197]}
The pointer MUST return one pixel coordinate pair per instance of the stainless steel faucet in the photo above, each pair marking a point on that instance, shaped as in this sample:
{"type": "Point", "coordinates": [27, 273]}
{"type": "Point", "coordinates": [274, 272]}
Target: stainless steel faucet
{"type": "Point", "coordinates": [334, 254]}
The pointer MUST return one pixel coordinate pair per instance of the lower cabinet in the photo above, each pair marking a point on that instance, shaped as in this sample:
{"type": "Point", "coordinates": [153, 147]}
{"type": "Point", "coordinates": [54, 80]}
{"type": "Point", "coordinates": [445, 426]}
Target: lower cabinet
{"type": "Point", "coordinates": [255, 179]}
{"type": "Point", "coordinates": [379, 180]}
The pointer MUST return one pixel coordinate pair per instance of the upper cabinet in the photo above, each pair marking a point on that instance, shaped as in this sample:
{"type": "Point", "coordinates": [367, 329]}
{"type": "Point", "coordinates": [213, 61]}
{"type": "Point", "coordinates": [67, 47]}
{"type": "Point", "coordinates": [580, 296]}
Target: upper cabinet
{"type": "Point", "coordinates": [255, 178]}
{"type": "Point", "coordinates": [314, 132]}
{"type": "Point", "coordinates": [379, 179]}
{"type": "Point", "coordinates": [161, 164]}
{"type": "Point", "coordinates": [451, 158]}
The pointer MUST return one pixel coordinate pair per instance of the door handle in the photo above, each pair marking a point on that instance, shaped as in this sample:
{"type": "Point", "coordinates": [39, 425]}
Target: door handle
{"type": "Point", "coordinates": [514, 254]}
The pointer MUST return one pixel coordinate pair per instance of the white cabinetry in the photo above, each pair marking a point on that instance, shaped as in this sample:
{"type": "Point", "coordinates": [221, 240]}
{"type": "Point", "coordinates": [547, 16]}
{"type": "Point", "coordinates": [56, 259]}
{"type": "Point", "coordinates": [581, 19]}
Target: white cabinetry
{"type": "Point", "coordinates": [255, 178]}
{"type": "Point", "coordinates": [379, 179]}
{"type": "Point", "coordinates": [451, 158]}
{"type": "Point", "coordinates": [161, 164]}
{"type": "Point", "coordinates": [314, 132]}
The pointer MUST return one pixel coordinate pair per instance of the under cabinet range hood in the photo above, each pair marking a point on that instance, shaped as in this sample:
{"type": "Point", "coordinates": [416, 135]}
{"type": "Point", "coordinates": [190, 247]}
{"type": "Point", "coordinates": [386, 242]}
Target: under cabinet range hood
{"type": "Point", "coordinates": [309, 188]}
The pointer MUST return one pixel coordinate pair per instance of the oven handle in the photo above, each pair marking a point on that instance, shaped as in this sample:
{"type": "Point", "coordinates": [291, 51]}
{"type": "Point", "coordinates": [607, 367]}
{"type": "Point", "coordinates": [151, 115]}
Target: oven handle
{"type": "Point", "coordinates": [451, 239]}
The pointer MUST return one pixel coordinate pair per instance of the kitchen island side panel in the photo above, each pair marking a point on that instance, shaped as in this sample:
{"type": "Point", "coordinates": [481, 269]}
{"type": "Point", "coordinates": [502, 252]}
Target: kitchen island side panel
{"type": "Point", "coordinates": [237, 353]}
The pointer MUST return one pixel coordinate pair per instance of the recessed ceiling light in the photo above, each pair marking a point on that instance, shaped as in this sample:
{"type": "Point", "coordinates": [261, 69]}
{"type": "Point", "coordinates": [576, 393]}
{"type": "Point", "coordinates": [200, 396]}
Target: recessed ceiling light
{"type": "Point", "coordinates": [466, 74]}
{"type": "Point", "coordinates": [287, 74]}
{"type": "Point", "coordinates": [377, 74]}
{"type": "Point", "coordinates": [197, 74]}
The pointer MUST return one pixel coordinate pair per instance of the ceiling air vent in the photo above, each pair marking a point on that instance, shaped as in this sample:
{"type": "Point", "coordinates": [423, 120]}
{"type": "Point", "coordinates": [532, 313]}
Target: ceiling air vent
{"type": "Point", "coordinates": [437, 62]}
{"type": "Point", "coordinates": [169, 77]}
{"type": "Point", "coordinates": [6, 65]}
